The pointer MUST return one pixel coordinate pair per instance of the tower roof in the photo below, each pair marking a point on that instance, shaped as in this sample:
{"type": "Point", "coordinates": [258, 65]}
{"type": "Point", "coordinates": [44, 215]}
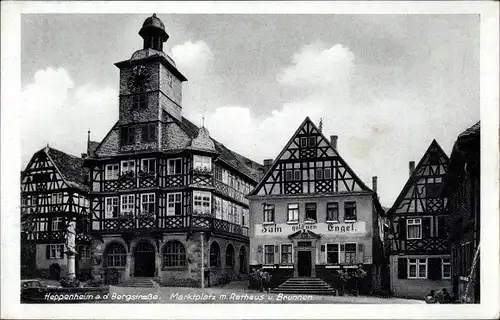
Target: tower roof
{"type": "Point", "coordinates": [153, 26]}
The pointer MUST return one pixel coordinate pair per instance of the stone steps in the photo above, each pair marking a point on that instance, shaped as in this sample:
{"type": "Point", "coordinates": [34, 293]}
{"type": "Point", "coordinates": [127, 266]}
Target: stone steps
{"type": "Point", "coordinates": [304, 286]}
{"type": "Point", "coordinates": [137, 283]}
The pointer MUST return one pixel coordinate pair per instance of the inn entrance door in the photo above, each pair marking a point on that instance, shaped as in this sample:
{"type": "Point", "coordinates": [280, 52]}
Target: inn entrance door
{"type": "Point", "coordinates": [144, 256]}
{"type": "Point", "coordinates": [304, 265]}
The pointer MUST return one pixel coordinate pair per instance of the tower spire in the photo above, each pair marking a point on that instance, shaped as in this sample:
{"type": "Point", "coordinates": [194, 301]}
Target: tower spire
{"type": "Point", "coordinates": [153, 33]}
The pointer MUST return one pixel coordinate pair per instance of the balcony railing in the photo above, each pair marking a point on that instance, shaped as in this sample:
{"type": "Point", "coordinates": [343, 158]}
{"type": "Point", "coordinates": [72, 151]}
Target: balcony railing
{"type": "Point", "coordinates": [229, 191]}
{"type": "Point", "coordinates": [427, 245]}
{"type": "Point", "coordinates": [44, 236]}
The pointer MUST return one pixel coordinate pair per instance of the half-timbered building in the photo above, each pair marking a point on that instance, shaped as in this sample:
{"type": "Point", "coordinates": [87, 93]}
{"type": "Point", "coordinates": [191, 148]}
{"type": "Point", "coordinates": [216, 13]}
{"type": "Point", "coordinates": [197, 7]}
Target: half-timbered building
{"type": "Point", "coordinates": [54, 215]}
{"type": "Point", "coordinates": [167, 201]}
{"type": "Point", "coordinates": [312, 216]}
{"type": "Point", "coordinates": [463, 189]}
{"type": "Point", "coordinates": [419, 251]}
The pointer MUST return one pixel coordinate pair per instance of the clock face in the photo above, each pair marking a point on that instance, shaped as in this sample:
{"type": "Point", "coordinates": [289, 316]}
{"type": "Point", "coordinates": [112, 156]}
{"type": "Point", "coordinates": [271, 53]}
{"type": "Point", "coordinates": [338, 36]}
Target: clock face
{"type": "Point", "coordinates": [139, 79]}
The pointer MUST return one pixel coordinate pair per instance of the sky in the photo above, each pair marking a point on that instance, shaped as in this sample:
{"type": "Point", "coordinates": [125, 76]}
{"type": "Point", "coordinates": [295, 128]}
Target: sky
{"type": "Point", "coordinates": [386, 85]}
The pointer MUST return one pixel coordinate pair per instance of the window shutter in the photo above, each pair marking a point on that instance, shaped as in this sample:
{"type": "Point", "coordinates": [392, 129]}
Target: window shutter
{"type": "Point", "coordinates": [259, 254]}
{"type": "Point", "coordinates": [402, 268]}
{"type": "Point", "coordinates": [426, 228]}
{"type": "Point", "coordinates": [434, 268]}
{"type": "Point", "coordinates": [360, 253]}
{"type": "Point", "coordinates": [323, 253]}
{"type": "Point", "coordinates": [47, 251]}
{"type": "Point", "coordinates": [402, 228]}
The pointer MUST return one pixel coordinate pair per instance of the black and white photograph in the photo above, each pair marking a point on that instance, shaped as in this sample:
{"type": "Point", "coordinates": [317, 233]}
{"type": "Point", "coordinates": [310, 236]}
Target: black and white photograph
{"type": "Point", "coordinates": [235, 155]}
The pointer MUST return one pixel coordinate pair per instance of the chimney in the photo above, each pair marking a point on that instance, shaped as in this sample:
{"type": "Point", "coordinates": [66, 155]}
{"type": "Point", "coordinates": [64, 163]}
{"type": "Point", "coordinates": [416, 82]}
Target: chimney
{"type": "Point", "coordinates": [412, 167]}
{"type": "Point", "coordinates": [374, 184]}
{"type": "Point", "coordinates": [267, 164]}
{"type": "Point", "coordinates": [333, 141]}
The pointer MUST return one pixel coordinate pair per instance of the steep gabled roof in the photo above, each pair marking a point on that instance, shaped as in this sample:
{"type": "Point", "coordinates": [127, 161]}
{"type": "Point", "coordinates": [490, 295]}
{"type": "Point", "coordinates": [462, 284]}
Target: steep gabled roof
{"type": "Point", "coordinates": [323, 150]}
{"type": "Point", "coordinates": [412, 196]}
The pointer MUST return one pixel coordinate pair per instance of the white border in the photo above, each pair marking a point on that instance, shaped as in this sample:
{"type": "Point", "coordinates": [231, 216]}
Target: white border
{"type": "Point", "coordinates": [10, 159]}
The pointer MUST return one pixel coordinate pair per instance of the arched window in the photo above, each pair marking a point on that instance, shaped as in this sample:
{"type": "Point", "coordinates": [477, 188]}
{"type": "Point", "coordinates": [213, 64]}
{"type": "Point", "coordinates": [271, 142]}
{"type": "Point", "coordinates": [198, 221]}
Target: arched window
{"type": "Point", "coordinates": [243, 260]}
{"type": "Point", "coordinates": [174, 254]}
{"type": "Point", "coordinates": [229, 256]}
{"type": "Point", "coordinates": [116, 255]}
{"type": "Point", "coordinates": [214, 255]}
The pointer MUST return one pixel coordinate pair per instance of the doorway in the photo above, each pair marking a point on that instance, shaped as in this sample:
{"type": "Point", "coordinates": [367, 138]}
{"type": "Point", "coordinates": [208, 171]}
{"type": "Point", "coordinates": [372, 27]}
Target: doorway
{"type": "Point", "coordinates": [144, 257]}
{"type": "Point", "coordinates": [304, 263]}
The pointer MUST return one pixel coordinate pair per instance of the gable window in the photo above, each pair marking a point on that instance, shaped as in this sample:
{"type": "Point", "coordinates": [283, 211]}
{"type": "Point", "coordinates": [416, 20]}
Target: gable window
{"type": "Point", "coordinates": [350, 253]}
{"type": "Point", "coordinates": [201, 203]}
{"type": "Point", "coordinates": [42, 224]}
{"type": "Point", "coordinates": [319, 174]}
{"type": "Point", "coordinates": [148, 132]}
{"type": "Point", "coordinates": [202, 163]}
{"type": "Point", "coordinates": [57, 223]}
{"type": "Point", "coordinates": [148, 165]}
{"type": "Point", "coordinates": [289, 175]}
{"type": "Point", "coordinates": [174, 204]}
{"type": "Point", "coordinates": [303, 142]}
{"type": "Point", "coordinates": [127, 135]}
{"type": "Point", "coordinates": [286, 253]}
{"type": "Point", "coordinates": [312, 142]}
{"type": "Point", "coordinates": [57, 198]}
{"type": "Point", "coordinates": [327, 173]}
{"type": "Point", "coordinates": [293, 212]}
{"type": "Point", "coordinates": [268, 254]}
{"type": "Point", "coordinates": [127, 204]}
{"type": "Point", "coordinates": [414, 228]}
{"type": "Point", "coordinates": [433, 190]}
{"type": "Point", "coordinates": [139, 101]}
{"type": "Point", "coordinates": [311, 211]}
{"type": "Point", "coordinates": [417, 268]}
{"type": "Point", "coordinates": [148, 203]}
{"type": "Point", "coordinates": [54, 251]}
{"type": "Point", "coordinates": [332, 211]}
{"type": "Point", "coordinates": [128, 166]}
{"type": "Point", "coordinates": [268, 213]}
{"type": "Point", "coordinates": [111, 207]}
{"type": "Point", "coordinates": [174, 166]}
{"type": "Point", "coordinates": [112, 171]}
{"type": "Point", "coordinates": [350, 211]}
{"type": "Point", "coordinates": [332, 253]}
{"type": "Point", "coordinates": [446, 268]}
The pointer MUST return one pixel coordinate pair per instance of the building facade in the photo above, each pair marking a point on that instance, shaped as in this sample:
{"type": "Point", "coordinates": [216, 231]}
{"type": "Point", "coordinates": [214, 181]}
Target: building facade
{"type": "Point", "coordinates": [166, 200]}
{"type": "Point", "coordinates": [54, 215]}
{"type": "Point", "coordinates": [419, 251]}
{"type": "Point", "coordinates": [311, 216]}
{"type": "Point", "coordinates": [463, 189]}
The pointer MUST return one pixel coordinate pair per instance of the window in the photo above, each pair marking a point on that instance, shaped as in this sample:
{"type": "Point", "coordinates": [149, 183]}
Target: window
{"type": "Point", "coordinates": [269, 254]}
{"type": "Point", "coordinates": [174, 166]}
{"type": "Point", "coordinates": [127, 204]}
{"type": "Point", "coordinates": [229, 256]}
{"type": "Point", "coordinates": [127, 135]}
{"type": "Point", "coordinates": [319, 174]}
{"type": "Point", "coordinates": [202, 201]}
{"type": "Point", "coordinates": [434, 190]}
{"type": "Point", "coordinates": [303, 142]}
{"type": "Point", "coordinates": [148, 165]}
{"type": "Point", "coordinates": [174, 254]}
{"type": "Point", "coordinates": [350, 211]}
{"type": "Point", "coordinates": [268, 213]}
{"type": "Point", "coordinates": [286, 253]}
{"type": "Point", "coordinates": [414, 228]}
{"type": "Point", "coordinates": [417, 268]}
{"type": "Point", "coordinates": [332, 253]}
{"type": "Point", "coordinates": [289, 175]}
{"type": "Point", "coordinates": [169, 79]}
{"type": "Point", "coordinates": [296, 175]}
{"type": "Point", "coordinates": [174, 204]}
{"type": "Point", "coordinates": [446, 268]}
{"type": "Point", "coordinates": [202, 163]}
{"type": "Point", "coordinates": [128, 166]}
{"type": "Point", "coordinates": [84, 252]}
{"type": "Point", "coordinates": [54, 251]}
{"type": "Point", "coordinates": [293, 212]}
{"type": "Point", "coordinates": [57, 198]}
{"type": "Point", "coordinates": [112, 171]}
{"type": "Point", "coordinates": [148, 203]}
{"type": "Point", "coordinates": [327, 173]}
{"type": "Point", "coordinates": [312, 142]}
{"type": "Point", "coordinates": [111, 207]}
{"type": "Point", "coordinates": [311, 211]}
{"type": "Point", "coordinates": [42, 224]}
{"type": "Point", "coordinates": [116, 256]}
{"type": "Point", "coordinates": [139, 101]}
{"type": "Point", "coordinates": [332, 211]}
{"type": "Point", "coordinates": [350, 253]}
{"type": "Point", "coordinates": [214, 255]}
{"type": "Point", "coordinates": [57, 223]}
{"type": "Point", "coordinates": [148, 132]}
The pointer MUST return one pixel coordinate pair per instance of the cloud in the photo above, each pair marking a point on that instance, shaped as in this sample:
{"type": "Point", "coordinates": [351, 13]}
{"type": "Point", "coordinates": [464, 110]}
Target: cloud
{"type": "Point", "coordinates": [56, 112]}
{"type": "Point", "coordinates": [193, 57]}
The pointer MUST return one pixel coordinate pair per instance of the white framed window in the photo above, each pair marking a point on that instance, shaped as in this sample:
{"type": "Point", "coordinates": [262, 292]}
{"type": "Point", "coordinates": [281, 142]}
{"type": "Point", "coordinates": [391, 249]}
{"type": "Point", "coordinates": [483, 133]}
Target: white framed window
{"type": "Point", "coordinates": [268, 254]}
{"type": "Point", "coordinates": [42, 224]}
{"type": "Point", "coordinates": [128, 166]}
{"type": "Point", "coordinates": [57, 223]}
{"type": "Point", "coordinates": [268, 213]}
{"type": "Point", "coordinates": [332, 253]}
{"type": "Point", "coordinates": [350, 253]}
{"type": "Point", "coordinates": [350, 214]}
{"type": "Point", "coordinates": [84, 251]}
{"type": "Point", "coordinates": [148, 165]}
{"type": "Point", "coordinates": [112, 171]}
{"type": "Point", "coordinates": [201, 202]}
{"type": "Point", "coordinates": [286, 253]}
{"type": "Point", "coordinates": [446, 268]}
{"type": "Point", "coordinates": [111, 210]}
{"type": "Point", "coordinates": [174, 204]}
{"type": "Point", "coordinates": [55, 251]}
{"type": "Point", "coordinates": [293, 213]}
{"type": "Point", "coordinates": [303, 142]}
{"type": "Point", "coordinates": [218, 208]}
{"type": "Point", "coordinates": [148, 203]}
{"type": "Point", "coordinates": [417, 268]}
{"type": "Point", "coordinates": [414, 228]}
{"type": "Point", "coordinates": [202, 163]}
{"type": "Point", "coordinates": [57, 198]}
{"type": "Point", "coordinates": [127, 204]}
{"type": "Point", "coordinates": [174, 166]}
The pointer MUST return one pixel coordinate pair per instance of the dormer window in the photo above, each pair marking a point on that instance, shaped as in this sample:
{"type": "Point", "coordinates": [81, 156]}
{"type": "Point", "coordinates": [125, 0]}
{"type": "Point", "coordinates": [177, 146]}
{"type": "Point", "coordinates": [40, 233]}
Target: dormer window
{"type": "Point", "coordinates": [127, 135]}
{"type": "Point", "coordinates": [148, 132]}
{"type": "Point", "coordinates": [139, 101]}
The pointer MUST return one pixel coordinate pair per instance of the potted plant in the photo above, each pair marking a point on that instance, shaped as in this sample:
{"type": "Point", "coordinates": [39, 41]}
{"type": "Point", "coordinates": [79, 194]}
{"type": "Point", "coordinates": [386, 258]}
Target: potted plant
{"type": "Point", "coordinates": [359, 274]}
{"type": "Point", "coordinates": [202, 170]}
{"type": "Point", "coordinates": [344, 277]}
{"type": "Point", "coordinates": [146, 174]}
{"type": "Point", "coordinates": [126, 176]}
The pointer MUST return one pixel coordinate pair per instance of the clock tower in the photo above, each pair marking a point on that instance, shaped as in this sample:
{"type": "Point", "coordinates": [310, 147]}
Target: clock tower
{"type": "Point", "coordinates": [150, 90]}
